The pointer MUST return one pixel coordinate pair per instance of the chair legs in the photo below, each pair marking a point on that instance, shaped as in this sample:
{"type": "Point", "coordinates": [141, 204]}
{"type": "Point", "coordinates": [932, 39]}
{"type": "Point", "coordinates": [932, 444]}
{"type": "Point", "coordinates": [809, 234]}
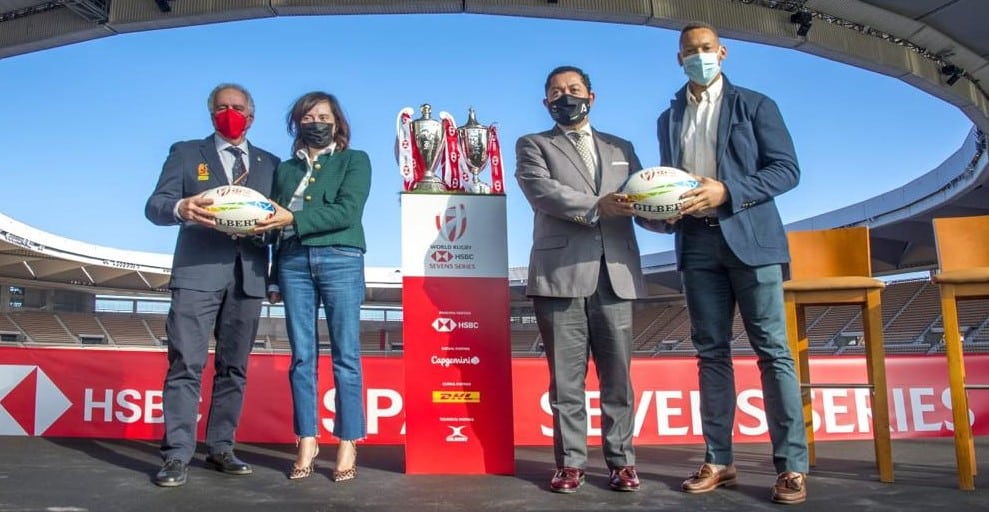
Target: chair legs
{"type": "Point", "coordinates": [875, 361]}
{"type": "Point", "coordinates": [964, 444]}
{"type": "Point", "coordinates": [796, 328]}
{"type": "Point", "coordinates": [875, 368]}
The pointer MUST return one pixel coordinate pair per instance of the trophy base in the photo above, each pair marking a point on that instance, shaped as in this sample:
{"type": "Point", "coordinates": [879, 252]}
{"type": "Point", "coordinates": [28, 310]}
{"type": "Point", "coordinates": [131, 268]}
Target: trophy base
{"type": "Point", "coordinates": [429, 185]}
{"type": "Point", "coordinates": [478, 187]}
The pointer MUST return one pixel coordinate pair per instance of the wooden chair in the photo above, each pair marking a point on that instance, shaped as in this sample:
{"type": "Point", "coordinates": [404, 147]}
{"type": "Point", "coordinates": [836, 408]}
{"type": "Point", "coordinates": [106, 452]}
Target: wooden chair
{"type": "Point", "coordinates": [833, 267]}
{"type": "Point", "coordinates": [963, 262]}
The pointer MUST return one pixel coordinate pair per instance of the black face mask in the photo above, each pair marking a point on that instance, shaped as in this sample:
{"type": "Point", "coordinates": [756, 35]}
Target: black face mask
{"type": "Point", "coordinates": [316, 135]}
{"type": "Point", "coordinates": [569, 110]}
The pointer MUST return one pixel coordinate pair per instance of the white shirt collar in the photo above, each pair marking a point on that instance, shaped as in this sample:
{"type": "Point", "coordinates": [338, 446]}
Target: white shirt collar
{"type": "Point", "coordinates": [586, 130]}
{"type": "Point", "coordinates": [303, 153]}
{"type": "Point", "coordinates": [222, 145]}
{"type": "Point", "coordinates": [712, 93]}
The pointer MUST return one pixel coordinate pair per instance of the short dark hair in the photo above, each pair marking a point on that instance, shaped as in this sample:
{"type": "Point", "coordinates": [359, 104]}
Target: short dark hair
{"type": "Point", "coordinates": [341, 128]}
{"type": "Point", "coordinates": [568, 69]}
{"type": "Point", "coordinates": [694, 25]}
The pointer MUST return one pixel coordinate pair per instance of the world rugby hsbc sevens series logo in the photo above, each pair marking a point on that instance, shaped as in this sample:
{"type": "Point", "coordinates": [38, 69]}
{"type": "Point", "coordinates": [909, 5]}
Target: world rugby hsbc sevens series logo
{"type": "Point", "coordinates": [29, 401]}
{"type": "Point", "coordinates": [452, 223]}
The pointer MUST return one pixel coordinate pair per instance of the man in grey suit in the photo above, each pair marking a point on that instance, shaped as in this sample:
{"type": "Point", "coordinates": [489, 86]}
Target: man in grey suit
{"type": "Point", "coordinates": [584, 270]}
{"type": "Point", "coordinates": [730, 247]}
{"type": "Point", "coordinates": [217, 284]}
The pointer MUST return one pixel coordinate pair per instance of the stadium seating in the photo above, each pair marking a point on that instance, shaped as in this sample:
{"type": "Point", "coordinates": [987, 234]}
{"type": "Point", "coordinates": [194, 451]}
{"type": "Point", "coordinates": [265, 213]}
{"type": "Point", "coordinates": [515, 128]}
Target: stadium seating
{"type": "Point", "coordinates": [127, 329]}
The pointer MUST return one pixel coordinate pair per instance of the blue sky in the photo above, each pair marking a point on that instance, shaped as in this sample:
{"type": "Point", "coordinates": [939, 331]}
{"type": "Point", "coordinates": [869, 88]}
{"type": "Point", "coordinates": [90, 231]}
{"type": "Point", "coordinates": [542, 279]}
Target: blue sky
{"type": "Point", "coordinates": [86, 127]}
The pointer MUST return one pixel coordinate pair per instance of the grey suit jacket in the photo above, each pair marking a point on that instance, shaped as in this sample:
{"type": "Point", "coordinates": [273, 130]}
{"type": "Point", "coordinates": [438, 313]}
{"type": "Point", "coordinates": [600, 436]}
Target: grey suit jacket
{"type": "Point", "coordinates": [205, 259]}
{"type": "Point", "coordinates": [568, 239]}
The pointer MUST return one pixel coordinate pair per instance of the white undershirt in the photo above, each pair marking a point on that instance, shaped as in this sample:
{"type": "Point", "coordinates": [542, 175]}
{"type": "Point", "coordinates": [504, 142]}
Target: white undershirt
{"type": "Point", "coordinates": [699, 136]}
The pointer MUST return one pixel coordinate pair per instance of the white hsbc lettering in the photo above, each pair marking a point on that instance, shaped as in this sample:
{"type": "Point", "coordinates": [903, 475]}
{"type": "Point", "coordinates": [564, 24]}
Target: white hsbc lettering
{"type": "Point", "coordinates": [124, 406]}
{"type": "Point", "coordinates": [836, 411]}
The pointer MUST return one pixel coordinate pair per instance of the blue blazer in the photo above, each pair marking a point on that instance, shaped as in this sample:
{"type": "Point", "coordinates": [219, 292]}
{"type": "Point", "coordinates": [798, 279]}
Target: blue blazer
{"type": "Point", "coordinates": [756, 162]}
{"type": "Point", "coordinates": [205, 259]}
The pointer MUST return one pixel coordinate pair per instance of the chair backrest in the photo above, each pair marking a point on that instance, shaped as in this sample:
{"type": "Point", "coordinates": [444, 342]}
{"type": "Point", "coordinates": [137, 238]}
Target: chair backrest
{"type": "Point", "coordinates": [962, 242]}
{"type": "Point", "coordinates": [838, 252]}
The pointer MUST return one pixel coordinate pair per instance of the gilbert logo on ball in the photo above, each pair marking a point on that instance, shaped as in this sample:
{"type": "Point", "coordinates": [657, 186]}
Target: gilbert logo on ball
{"type": "Point", "coordinates": [237, 209]}
{"type": "Point", "coordinates": [655, 192]}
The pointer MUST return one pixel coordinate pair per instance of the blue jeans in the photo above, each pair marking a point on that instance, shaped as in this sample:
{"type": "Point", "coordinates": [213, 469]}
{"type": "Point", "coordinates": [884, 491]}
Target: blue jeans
{"type": "Point", "coordinates": [333, 275]}
{"type": "Point", "coordinates": [715, 280]}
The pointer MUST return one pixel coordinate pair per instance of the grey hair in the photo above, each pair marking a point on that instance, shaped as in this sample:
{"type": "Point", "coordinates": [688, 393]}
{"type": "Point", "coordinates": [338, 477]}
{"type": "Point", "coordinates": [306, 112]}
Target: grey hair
{"type": "Point", "coordinates": [210, 102]}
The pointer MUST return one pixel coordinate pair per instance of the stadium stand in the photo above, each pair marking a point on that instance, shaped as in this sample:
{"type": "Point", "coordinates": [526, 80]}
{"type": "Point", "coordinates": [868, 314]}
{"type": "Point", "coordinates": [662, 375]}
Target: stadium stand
{"type": "Point", "coordinates": [911, 324]}
{"type": "Point", "coordinates": [84, 327]}
{"type": "Point", "coordinates": [42, 327]}
{"type": "Point", "coordinates": [127, 329]}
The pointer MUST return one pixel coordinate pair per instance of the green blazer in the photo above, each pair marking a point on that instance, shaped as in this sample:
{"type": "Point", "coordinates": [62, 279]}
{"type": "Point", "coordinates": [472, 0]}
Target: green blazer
{"type": "Point", "coordinates": [333, 201]}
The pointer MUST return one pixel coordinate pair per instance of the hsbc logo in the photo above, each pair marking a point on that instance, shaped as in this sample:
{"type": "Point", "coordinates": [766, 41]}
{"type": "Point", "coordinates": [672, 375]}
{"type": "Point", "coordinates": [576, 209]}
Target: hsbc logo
{"type": "Point", "coordinates": [452, 223]}
{"type": "Point", "coordinates": [449, 325]}
{"type": "Point", "coordinates": [29, 401]}
{"type": "Point", "coordinates": [444, 325]}
{"type": "Point", "coordinates": [441, 256]}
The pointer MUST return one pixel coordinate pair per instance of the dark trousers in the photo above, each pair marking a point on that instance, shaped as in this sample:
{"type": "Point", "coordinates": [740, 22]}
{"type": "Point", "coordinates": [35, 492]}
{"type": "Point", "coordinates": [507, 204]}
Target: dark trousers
{"type": "Point", "coordinates": [715, 281]}
{"type": "Point", "coordinates": [233, 317]}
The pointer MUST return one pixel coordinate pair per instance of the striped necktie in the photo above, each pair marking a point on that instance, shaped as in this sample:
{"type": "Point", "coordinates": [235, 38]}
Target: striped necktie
{"type": "Point", "coordinates": [240, 168]}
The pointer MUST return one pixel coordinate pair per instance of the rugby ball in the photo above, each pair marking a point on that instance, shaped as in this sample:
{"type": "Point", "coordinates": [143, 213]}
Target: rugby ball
{"type": "Point", "coordinates": [655, 191]}
{"type": "Point", "coordinates": [237, 209]}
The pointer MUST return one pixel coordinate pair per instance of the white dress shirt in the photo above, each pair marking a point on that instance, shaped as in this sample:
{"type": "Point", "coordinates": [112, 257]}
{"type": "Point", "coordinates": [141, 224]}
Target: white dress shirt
{"type": "Point", "coordinates": [227, 158]}
{"type": "Point", "coordinates": [699, 136]}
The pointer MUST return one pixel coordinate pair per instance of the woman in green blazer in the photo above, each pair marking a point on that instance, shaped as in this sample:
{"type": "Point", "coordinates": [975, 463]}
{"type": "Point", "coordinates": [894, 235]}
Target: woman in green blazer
{"type": "Point", "coordinates": [320, 259]}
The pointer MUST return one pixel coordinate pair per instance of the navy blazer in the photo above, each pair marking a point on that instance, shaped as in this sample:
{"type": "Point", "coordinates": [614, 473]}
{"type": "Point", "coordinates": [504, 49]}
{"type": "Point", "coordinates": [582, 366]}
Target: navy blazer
{"type": "Point", "coordinates": [756, 162]}
{"type": "Point", "coordinates": [205, 258]}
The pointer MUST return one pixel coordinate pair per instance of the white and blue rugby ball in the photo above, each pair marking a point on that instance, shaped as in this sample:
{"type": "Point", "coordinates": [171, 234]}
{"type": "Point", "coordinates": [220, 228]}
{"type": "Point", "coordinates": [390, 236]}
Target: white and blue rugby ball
{"type": "Point", "coordinates": [237, 209]}
{"type": "Point", "coordinates": [655, 191]}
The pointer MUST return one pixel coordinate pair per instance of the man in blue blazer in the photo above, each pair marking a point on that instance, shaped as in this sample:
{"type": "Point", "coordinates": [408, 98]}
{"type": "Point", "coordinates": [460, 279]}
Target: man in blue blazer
{"type": "Point", "coordinates": [217, 284]}
{"type": "Point", "coordinates": [730, 247]}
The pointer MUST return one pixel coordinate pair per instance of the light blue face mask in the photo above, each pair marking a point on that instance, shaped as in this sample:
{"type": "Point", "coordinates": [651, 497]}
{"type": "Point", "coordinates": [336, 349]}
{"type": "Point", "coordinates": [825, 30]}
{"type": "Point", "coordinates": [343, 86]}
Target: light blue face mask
{"type": "Point", "coordinates": [702, 68]}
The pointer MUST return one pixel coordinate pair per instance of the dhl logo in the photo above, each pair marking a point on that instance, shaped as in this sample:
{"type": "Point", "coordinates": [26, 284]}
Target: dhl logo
{"type": "Point", "coordinates": [456, 397]}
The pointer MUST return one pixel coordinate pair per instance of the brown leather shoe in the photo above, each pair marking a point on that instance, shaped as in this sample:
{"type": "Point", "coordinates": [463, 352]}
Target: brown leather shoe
{"type": "Point", "coordinates": [624, 479]}
{"type": "Point", "coordinates": [790, 488]}
{"type": "Point", "coordinates": [709, 478]}
{"type": "Point", "coordinates": [567, 480]}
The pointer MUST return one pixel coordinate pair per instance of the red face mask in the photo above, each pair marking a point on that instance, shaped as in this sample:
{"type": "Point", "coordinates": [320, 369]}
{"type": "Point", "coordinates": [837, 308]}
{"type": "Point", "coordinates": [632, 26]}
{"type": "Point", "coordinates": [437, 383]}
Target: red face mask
{"type": "Point", "coordinates": [230, 123]}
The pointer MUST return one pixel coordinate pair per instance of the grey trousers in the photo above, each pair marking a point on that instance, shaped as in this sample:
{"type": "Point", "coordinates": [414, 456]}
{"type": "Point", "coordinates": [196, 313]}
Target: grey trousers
{"type": "Point", "coordinates": [599, 326]}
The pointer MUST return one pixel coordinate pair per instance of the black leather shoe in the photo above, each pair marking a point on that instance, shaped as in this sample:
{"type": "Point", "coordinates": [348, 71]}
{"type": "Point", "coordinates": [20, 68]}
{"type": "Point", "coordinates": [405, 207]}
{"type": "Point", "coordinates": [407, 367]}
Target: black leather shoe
{"type": "Point", "coordinates": [227, 462]}
{"type": "Point", "coordinates": [173, 474]}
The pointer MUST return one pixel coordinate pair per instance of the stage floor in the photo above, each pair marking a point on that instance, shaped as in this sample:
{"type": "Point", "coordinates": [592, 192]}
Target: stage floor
{"type": "Point", "coordinates": [42, 474]}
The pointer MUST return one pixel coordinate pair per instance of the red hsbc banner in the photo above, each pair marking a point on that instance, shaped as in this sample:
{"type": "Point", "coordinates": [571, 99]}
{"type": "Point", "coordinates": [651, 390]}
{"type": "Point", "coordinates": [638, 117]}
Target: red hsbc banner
{"type": "Point", "coordinates": [457, 343]}
{"type": "Point", "coordinates": [112, 393]}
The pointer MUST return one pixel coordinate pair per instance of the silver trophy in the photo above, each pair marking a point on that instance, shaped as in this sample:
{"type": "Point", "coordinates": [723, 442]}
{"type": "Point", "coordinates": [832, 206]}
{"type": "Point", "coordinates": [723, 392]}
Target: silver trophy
{"type": "Point", "coordinates": [473, 138]}
{"type": "Point", "coordinates": [427, 135]}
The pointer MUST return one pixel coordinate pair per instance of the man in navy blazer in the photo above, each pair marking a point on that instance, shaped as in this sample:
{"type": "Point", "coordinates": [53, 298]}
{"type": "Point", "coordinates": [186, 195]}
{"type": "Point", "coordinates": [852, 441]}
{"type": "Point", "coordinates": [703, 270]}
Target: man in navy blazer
{"type": "Point", "coordinates": [217, 284]}
{"type": "Point", "coordinates": [730, 247]}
